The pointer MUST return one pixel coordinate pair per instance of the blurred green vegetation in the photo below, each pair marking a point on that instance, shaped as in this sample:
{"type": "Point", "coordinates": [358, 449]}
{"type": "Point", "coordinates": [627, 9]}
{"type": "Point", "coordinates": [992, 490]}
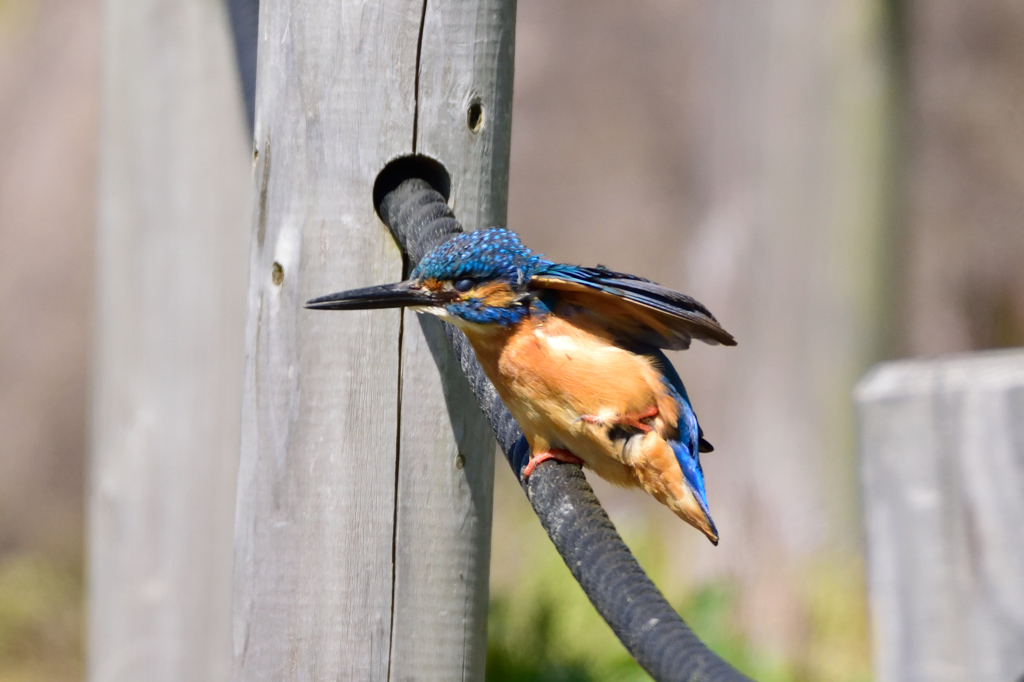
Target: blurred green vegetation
{"type": "Point", "coordinates": [543, 628]}
{"type": "Point", "coordinates": [552, 634]}
{"type": "Point", "coordinates": [41, 619]}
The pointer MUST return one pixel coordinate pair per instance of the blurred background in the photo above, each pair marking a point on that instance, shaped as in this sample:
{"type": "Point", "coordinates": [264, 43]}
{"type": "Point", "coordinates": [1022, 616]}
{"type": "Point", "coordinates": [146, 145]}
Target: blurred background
{"type": "Point", "coordinates": [839, 182]}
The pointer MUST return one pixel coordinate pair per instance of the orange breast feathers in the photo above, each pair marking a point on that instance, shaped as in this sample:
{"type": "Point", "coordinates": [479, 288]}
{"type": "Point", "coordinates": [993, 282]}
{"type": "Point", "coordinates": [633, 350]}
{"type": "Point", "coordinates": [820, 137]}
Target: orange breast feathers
{"type": "Point", "coordinates": [566, 384]}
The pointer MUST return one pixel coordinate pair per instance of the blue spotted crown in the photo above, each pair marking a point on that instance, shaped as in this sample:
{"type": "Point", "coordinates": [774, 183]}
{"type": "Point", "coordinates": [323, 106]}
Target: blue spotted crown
{"type": "Point", "coordinates": [492, 254]}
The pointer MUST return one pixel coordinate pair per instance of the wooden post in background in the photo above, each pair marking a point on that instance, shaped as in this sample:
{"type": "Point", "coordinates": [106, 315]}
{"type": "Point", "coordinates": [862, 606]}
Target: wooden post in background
{"type": "Point", "coordinates": [363, 532]}
{"type": "Point", "coordinates": [174, 205]}
{"type": "Point", "coordinates": [942, 448]}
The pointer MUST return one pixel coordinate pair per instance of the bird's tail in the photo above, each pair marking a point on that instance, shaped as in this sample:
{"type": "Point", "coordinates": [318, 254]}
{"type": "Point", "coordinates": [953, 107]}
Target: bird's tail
{"type": "Point", "coordinates": [666, 470]}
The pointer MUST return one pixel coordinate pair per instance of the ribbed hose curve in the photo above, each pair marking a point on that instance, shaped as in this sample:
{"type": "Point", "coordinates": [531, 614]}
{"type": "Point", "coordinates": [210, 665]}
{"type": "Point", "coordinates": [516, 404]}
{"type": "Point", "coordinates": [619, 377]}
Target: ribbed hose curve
{"type": "Point", "coordinates": [579, 527]}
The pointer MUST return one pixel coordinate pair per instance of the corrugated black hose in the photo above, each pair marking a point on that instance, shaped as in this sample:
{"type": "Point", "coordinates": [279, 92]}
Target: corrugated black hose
{"type": "Point", "coordinates": [420, 219]}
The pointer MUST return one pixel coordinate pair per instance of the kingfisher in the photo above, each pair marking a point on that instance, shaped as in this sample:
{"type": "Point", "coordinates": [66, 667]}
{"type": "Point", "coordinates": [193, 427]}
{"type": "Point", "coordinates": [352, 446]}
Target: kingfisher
{"type": "Point", "coordinates": [575, 354]}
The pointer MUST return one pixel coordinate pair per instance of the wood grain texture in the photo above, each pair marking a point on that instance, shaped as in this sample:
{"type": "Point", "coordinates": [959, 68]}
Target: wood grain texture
{"type": "Point", "coordinates": [467, 57]}
{"type": "Point", "coordinates": [313, 575]}
{"type": "Point", "coordinates": [363, 532]}
{"type": "Point", "coordinates": [446, 468]}
{"type": "Point", "coordinates": [172, 262]}
{"type": "Point", "coordinates": [942, 447]}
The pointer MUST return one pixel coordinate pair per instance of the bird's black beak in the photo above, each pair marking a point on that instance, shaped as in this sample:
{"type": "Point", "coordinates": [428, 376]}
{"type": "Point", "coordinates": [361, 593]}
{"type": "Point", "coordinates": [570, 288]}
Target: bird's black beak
{"type": "Point", "coordinates": [397, 295]}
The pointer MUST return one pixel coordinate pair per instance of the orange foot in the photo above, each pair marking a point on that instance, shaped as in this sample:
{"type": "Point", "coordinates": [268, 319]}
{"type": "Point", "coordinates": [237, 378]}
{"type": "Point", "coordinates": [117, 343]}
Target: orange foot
{"type": "Point", "coordinates": [553, 453]}
{"type": "Point", "coordinates": [633, 420]}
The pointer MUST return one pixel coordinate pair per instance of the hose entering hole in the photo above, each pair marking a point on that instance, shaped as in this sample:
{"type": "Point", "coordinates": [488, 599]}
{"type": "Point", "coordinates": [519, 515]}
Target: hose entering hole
{"type": "Point", "coordinates": [650, 629]}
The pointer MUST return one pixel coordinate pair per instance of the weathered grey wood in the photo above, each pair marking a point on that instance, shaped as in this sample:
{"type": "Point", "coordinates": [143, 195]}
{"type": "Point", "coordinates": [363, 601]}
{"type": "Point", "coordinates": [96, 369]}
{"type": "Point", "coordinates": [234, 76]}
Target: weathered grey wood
{"type": "Point", "coordinates": [446, 468]}
{"type": "Point", "coordinates": [468, 54]}
{"type": "Point", "coordinates": [173, 245]}
{"type": "Point", "coordinates": [313, 574]}
{"type": "Point", "coordinates": [346, 465]}
{"type": "Point", "coordinates": [942, 447]}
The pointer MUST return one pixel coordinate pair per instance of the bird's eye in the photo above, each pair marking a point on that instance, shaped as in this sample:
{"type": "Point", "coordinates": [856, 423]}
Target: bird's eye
{"type": "Point", "coordinates": [463, 285]}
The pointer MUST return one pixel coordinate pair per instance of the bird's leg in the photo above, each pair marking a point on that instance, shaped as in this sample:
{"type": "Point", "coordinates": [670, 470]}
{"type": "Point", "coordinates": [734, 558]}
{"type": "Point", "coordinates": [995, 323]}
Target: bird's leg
{"type": "Point", "coordinates": [553, 453]}
{"type": "Point", "coordinates": [633, 419]}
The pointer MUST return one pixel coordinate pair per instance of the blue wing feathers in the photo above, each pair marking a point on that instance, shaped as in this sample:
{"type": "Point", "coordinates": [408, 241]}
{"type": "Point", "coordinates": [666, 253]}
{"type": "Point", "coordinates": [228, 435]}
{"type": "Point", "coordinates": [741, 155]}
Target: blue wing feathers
{"type": "Point", "coordinates": [685, 316]}
{"type": "Point", "coordinates": [689, 430]}
{"type": "Point", "coordinates": [687, 447]}
{"type": "Point", "coordinates": [630, 287]}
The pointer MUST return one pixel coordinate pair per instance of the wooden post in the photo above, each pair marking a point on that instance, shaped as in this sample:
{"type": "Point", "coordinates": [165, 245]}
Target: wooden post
{"type": "Point", "coordinates": [942, 447]}
{"type": "Point", "coordinates": [173, 242]}
{"type": "Point", "coordinates": [363, 530]}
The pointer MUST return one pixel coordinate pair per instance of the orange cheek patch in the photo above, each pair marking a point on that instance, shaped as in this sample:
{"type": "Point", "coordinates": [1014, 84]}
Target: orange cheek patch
{"type": "Point", "coordinates": [494, 294]}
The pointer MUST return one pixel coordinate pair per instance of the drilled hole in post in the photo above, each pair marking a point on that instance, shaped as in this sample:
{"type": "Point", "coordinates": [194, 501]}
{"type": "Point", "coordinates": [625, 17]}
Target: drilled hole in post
{"type": "Point", "coordinates": [408, 167]}
{"type": "Point", "coordinates": [475, 116]}
{"type": "Point", "coordinates": [277, 274]}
